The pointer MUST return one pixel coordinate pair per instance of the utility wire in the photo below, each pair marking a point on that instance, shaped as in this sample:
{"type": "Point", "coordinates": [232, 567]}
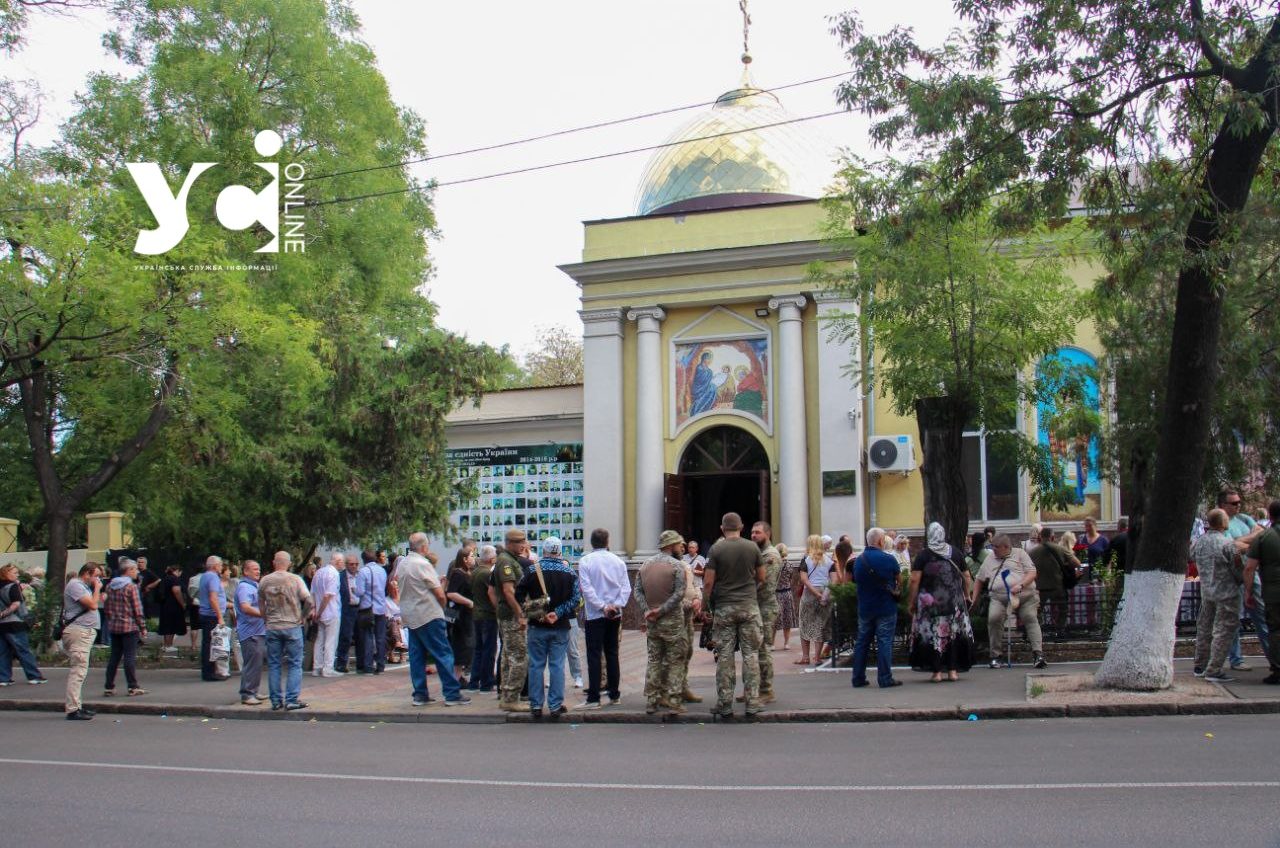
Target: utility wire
{"type": "Point", "coordinates": [579, 161]}
{"type": "Point", "coordinates": [558, 133]}
{"type": "Point", "coordinates": [530, 139]}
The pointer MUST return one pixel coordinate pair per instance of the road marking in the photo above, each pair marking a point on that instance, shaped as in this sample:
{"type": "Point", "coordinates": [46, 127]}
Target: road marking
{"type": "Point", "coordinates": [651, 787]}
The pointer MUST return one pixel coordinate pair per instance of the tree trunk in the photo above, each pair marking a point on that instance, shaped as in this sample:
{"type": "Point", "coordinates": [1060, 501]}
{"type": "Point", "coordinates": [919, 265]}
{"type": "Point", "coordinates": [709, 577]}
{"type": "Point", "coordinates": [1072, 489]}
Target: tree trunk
{"type": "Point", "coordinates": [1140, 653]}
{"type": "Point", "coordinates": [60, 500]}
{"type": "Point", "coordinates": [946, 500]}
{"type": "Point", "coordinates": [59, 525]}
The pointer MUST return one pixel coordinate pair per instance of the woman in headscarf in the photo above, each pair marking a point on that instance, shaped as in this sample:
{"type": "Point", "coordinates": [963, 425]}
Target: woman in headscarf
{"type": "Point", "coordinates": [941, 633]}
{"type": "Point", "coordinates": [902, 551]}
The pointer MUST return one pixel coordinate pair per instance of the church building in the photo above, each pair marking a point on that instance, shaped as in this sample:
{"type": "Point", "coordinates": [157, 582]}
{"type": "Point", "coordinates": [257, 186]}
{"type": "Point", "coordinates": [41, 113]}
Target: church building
{"type": "Point", "coordinates": [712, 379]}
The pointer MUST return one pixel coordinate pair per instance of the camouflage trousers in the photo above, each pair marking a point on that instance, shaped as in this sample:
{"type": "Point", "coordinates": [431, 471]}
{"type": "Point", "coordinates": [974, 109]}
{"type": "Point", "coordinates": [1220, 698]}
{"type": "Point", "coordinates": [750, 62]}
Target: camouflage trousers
{"type": "Point", "coordinates": [668, 644]}
{"type": "Point", "coordinates": [767, 619]}
{"type": "Point", "coordinates": [514, 669]}
{"type": "Point", "coordinates": [738, 626]}
{"type": "Point", "coordinates": [1216, 629]}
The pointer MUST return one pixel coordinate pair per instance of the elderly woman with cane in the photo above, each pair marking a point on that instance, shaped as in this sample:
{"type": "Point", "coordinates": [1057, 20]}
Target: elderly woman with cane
{"type": "Point", "coordinates": [1011, 577]}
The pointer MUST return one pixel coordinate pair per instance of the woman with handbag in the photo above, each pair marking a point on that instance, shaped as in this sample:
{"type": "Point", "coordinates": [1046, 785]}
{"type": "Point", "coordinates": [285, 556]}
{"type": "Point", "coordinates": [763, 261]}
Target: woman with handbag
{"type": "Point", "coordinates": [458, 612]}
{"type": "Point", "coordinates": [815, 612]}
{"type": "Point", "coordinates": [938, 603]}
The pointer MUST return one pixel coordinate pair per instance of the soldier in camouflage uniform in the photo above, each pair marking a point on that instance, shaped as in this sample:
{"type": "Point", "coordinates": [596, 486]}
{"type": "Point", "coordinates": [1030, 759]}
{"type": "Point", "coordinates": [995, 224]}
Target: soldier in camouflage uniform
{"type": "Point", "coordinates": [659, 591]}
{"type": "Point", "coordinates": [692, 605]}
{"type": "Point", "coordinates": [767, 598]}
{"type": "Point", "coordinates": [735, 568]}
{"type": "Point", "coordinates": [514, 669]}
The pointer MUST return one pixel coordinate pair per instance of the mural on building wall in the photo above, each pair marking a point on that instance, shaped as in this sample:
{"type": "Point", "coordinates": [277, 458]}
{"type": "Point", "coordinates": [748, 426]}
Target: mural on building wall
{"type": "Point", "coordinates": [1078, 456]}
{"type": "Point", "coordinates": [722, 376]}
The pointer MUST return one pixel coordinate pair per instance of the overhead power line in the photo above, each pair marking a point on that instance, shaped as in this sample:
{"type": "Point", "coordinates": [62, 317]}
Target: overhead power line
{"type": "Point", "coordinates": [565, 162]}
{"type": "Point", "coordinates": [557, 133]}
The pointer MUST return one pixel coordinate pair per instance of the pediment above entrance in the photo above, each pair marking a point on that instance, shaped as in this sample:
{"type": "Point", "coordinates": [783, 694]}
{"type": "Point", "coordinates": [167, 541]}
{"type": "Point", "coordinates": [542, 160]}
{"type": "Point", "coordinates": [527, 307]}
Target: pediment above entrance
{"type": "Point", "coordinates": [720, 323]}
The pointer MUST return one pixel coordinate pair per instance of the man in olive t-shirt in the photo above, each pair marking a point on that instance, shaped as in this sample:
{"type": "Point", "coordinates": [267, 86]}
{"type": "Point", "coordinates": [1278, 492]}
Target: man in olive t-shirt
{"type": "Point", "coordinates": [486, 624]}
{"type": "Point", "coordinates": [1264, 558]}
{"type": "Point", "coordinates": [735, 566]}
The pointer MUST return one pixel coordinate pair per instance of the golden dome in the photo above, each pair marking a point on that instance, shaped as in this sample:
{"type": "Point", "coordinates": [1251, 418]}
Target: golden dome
{"type": "Point", "coordinates": [719, 159]}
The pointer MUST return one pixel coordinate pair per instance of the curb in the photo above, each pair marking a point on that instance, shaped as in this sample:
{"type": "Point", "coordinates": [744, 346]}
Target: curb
{"type": "Point", "coordinates": [834, 715]}
{"type": "Point", "coordinates": [240, 713]}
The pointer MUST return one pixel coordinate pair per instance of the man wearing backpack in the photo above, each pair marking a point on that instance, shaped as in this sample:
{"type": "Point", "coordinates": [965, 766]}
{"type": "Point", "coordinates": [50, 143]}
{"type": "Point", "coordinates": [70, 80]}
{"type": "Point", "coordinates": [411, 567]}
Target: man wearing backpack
{"type": "Point", "coordinates": [13, 630]}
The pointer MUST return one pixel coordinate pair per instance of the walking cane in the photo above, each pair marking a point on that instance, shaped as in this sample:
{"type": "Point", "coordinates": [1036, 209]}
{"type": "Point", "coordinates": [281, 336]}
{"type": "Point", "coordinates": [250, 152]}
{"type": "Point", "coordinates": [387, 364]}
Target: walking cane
{"type": "Point", "coordinates": [1008, 593]}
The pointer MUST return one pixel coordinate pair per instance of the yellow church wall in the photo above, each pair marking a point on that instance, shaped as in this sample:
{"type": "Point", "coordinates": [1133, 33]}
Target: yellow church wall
{"type": "Point", "coordinates": [652, 236]}
{"type": "Point", "coordinates": [812, 426]}
{"type": "Point", "coordinates": [899, 500]}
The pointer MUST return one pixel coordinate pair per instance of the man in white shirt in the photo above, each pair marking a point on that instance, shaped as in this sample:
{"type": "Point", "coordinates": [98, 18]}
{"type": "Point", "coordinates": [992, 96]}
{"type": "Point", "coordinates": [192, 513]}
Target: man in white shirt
{"type": "Point", "coordinates": [606, 588]}
{"type": "Point", "coordinates": [422, 601]}
{"type": "Point", "coordinates": [324, 589]}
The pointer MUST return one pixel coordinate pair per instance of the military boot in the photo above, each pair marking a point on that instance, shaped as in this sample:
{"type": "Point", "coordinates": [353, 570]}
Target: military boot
{"type": "Point", "coordinates": [690, 698]}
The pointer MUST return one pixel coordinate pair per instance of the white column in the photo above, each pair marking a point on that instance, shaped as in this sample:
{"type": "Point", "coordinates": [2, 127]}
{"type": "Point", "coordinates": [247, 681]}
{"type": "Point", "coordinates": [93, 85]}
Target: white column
{"type": "Point", "coordinates": [793, 461]}
{"type": "Point", "coordinates": [648, 424]}
{"type": "Point", "coordinates": [602, 495]}
{"type": "Point", "coordinates": [840, 412]}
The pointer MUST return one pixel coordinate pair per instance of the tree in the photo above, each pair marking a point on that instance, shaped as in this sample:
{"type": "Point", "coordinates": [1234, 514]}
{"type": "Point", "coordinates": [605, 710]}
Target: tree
{"type": "Point", "coordinates": [1134, 308]}
{"type": "Point", "coordinates": [1046, 101]}
{"type": "Point", "coordinates": [107, 352]}
{"type": "Point", "coordinates": [951, 317]}
{"type": "Point", "coordinates": [555, 359]}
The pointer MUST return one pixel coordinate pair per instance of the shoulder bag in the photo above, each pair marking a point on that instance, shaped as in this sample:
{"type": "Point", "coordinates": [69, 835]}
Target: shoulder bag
{"type": "Point", "coordinates": [536, 609]}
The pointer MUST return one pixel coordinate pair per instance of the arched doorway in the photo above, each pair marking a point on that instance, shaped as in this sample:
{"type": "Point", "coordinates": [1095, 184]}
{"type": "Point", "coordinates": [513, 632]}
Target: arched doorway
{"type": "Point", "coordinates": [724, 469]}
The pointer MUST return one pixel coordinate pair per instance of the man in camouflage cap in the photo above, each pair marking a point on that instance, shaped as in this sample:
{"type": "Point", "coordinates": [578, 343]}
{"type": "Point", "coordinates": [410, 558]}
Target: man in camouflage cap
{"type": "Point", "coordinates": [660, 593]}
{"type": "Point", "coordinates": [514, 667]}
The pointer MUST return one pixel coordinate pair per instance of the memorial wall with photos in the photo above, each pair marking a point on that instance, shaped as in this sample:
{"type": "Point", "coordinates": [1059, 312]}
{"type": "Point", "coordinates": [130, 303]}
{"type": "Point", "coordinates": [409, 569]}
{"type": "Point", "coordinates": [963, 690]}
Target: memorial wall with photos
{"type": "Point", "coordinates": [536, 488]}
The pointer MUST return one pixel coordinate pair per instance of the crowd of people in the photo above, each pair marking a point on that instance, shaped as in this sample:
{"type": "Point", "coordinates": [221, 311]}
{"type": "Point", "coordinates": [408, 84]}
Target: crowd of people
{"type": "Point", "coordinates": [503, 620]}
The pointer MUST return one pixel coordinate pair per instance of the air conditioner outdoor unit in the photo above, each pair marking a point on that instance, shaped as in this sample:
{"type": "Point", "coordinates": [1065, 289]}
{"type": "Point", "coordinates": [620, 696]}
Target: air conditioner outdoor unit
{"type": "Point", "coordinates": [889, 454]}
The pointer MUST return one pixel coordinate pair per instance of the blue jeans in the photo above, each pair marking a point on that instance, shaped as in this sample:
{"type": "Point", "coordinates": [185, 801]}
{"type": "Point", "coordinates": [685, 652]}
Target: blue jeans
{"type": "Point", "coordinates": [16, 643]}
{"type": "Point", "coordinates": [482, 676]}
{"type": "Point", "coordinates": [547, 646]}
{"type": "Point", "coordinates": [284, 645]}
{"type": "Point", "coordinates": [432, 638]}
{"type": "Point", "coordinates": [575, 656]}
{"type": "Point", "coordinates": [1258, 615]}
{"type": "Point", "coordinates": [883, 627]}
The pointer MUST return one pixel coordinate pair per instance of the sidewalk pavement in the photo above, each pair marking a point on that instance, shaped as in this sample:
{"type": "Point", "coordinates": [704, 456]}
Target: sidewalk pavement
{"type": "Point", "coordinates": [803, 694]}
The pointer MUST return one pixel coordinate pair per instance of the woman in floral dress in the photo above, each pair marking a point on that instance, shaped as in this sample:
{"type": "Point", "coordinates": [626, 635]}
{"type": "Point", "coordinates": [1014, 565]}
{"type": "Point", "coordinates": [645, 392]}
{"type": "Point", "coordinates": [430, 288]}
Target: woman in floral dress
{"type": "Point", "coordinates": [941, 633]}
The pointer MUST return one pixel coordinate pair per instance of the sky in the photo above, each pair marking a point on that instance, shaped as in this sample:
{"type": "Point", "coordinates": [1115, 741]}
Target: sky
{"type": "Point", "coordinates": [486, 73]}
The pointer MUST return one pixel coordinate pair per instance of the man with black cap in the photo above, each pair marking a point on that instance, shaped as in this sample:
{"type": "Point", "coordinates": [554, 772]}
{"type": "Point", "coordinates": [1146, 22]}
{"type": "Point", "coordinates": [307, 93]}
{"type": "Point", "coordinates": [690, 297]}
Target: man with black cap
{"type": "Point", "coordinates": [735, 568]}
{"type": "Point", "coordinates": [660, 593]}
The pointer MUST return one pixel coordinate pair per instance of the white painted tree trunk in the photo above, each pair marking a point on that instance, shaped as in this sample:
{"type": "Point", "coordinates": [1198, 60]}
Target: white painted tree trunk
{"type": "Point", "coordinates": [1140, 653]}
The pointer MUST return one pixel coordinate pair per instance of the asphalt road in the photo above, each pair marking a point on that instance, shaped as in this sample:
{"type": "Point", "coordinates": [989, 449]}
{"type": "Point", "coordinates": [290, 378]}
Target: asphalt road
{"type": "Point", "coordinates": [143, 781]}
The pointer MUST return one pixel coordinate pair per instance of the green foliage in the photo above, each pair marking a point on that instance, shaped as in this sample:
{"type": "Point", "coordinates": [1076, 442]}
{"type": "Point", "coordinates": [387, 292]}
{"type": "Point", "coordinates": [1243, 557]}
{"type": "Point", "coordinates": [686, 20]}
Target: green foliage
{"type": "Point", "coordinates": [949, 307]}
{"type": "Point", "coordinates": [1158, 120]}
{"type": "Point", "coordinates": [307, 401]}
{"type": "Point", "coordinates": [1134, 305]}
{"type": "Point", "coordinates": [844, 598]}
